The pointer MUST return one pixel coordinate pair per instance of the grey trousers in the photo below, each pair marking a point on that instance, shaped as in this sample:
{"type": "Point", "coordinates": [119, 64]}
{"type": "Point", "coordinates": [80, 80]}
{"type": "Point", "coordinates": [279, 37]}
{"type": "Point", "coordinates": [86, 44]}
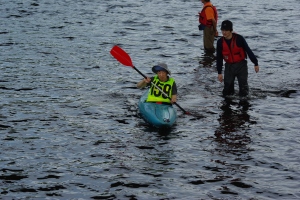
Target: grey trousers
{"type": "Point", "coordinates": [240, 71]}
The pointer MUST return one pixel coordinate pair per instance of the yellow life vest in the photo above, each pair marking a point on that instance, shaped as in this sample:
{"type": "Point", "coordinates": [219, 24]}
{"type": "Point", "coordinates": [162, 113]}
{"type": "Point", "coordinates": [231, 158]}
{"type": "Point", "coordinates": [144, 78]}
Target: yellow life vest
{"type": "Point", "coordinates": [155, 95]}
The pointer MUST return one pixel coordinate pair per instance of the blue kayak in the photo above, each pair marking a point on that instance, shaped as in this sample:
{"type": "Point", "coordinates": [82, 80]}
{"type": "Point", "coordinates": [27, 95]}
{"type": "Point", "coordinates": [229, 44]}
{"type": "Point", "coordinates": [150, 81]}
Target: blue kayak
{"type": "Point", "coordinates": [157, 115]}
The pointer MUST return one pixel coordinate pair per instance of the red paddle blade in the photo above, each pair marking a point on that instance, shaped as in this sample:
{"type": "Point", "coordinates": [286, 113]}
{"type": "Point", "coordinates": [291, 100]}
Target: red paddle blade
{"type": "Point", "coordinates": [121, 56]}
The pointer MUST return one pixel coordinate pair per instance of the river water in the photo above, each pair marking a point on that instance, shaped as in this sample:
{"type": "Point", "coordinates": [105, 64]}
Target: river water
{"type": "Point", "coordinates": [69, 126]}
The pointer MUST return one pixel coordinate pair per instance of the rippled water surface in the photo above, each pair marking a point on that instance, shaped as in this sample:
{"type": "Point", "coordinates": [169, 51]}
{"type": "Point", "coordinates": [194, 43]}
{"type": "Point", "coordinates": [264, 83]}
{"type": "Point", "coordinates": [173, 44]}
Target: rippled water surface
{"type": "Point", "coordinates": [69, 126]}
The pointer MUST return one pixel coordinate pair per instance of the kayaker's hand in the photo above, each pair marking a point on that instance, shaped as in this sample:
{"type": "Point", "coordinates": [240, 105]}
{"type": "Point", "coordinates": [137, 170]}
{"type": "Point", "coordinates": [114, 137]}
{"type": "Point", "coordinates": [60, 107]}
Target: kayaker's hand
{"type": "Point", "coordinates": [143, 83]}
{"type": "Point", "coordinates": [173, 99]}
{"type": "Point", "coordinates": [147, 80]}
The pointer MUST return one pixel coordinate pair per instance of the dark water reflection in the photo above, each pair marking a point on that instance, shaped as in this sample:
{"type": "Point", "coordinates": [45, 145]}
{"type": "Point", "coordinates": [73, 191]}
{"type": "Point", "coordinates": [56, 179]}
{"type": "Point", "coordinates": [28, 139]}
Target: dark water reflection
{"type": "Point", "coordinates": [234, 126]}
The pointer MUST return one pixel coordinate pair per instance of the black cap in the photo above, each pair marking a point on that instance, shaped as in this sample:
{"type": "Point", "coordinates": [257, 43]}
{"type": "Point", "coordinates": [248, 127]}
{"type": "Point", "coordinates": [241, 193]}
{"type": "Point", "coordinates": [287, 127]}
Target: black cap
{"type": "Point", "coordinates": [226, 25]}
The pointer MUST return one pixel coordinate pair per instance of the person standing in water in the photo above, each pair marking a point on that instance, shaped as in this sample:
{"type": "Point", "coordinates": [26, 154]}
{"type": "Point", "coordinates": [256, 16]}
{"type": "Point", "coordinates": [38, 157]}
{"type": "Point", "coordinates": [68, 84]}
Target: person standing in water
{"type": "Point", "coordinates": [233, 49]}
{"type": "Point", "coordinates": [208, 23]}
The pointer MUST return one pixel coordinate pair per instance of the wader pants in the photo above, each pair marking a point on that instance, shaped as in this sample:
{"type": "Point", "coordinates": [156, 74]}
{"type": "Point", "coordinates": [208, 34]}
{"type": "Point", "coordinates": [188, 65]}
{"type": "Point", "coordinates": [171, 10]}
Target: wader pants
{"type": "Point", "coordinates": [239, 70]}
{"type": "Point", "coordinates": [208, 39]}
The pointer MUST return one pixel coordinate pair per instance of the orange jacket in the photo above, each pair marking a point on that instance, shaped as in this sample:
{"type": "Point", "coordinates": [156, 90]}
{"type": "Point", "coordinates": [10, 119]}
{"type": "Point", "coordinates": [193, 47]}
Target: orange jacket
{"type": "Point", "coordinates": [206, 15]}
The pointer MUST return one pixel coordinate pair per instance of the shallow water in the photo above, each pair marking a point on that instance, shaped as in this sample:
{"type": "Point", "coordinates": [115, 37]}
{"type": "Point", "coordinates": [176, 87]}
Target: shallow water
{"type": "Point", "coordinates": [69, 126]}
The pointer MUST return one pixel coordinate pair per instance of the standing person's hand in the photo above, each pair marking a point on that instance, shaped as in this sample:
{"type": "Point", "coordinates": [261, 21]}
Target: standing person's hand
{"type": "Point", "coordinates": [256, 68]}
{"type": "Point", "coordinates": [216, 34]}
{"type": "Point", "coordinates": [220, 77]}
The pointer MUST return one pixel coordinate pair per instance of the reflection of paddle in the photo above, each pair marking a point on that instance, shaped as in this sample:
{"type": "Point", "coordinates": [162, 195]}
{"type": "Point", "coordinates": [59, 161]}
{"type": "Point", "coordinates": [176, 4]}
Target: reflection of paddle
{"type": "Point", "coordinates": [125, 59]}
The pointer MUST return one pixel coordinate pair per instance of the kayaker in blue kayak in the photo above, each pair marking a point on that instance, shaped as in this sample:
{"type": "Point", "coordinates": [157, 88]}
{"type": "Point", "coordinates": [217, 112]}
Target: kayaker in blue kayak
{"type": "Point", "coordinates": [164, 82]}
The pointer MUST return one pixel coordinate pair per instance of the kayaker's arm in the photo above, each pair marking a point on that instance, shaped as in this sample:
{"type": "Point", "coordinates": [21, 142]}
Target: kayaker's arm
{"type": "Point", "coordinates": [143, 83]}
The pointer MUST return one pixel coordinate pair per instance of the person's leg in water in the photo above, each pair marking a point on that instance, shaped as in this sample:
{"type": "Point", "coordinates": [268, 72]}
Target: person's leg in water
{"type": "Point", "coordinates": [208, 40]}
{"type": "Point", "coordinates": [229, 77]}
{"type": "Point", "coordinates": [242, 77]}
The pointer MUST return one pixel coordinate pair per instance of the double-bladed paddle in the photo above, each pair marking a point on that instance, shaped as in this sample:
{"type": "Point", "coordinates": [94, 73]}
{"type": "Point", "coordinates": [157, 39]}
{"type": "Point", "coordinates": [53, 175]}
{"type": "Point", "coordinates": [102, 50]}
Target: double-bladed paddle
{"type": "Point", "coordinates": [125, 59]}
